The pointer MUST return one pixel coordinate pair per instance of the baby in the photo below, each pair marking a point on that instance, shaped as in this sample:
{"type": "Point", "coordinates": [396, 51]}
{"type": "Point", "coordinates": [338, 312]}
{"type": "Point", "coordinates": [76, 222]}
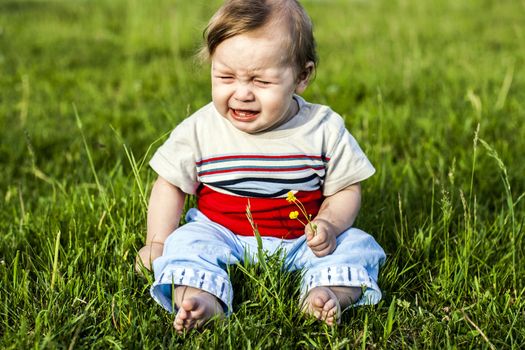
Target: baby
{"type": "Point", "coordinates": [259, 144]}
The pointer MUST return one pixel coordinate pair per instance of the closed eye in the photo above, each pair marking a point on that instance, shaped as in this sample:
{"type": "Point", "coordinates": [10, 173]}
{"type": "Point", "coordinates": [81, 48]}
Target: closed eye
{"type": "Point", "coordinates": [225, 78]}
{"type": "Point", "coordinates": [262, 82]}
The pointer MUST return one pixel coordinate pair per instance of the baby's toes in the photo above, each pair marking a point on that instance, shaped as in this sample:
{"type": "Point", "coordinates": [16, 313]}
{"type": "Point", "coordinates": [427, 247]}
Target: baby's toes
{"type": "Point", "coordinates": [178, 324]}
{"type": "Point", "coordinates": [330, 305]}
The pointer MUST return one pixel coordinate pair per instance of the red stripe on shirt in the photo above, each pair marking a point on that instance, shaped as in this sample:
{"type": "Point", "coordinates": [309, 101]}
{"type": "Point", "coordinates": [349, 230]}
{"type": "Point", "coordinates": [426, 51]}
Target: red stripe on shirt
{"type": "Point", "coordinates": [255, 157]}
{"type": "Point", "coordinates": [270, 215]}
{"type": "Point", "coordinates": [269, 169]}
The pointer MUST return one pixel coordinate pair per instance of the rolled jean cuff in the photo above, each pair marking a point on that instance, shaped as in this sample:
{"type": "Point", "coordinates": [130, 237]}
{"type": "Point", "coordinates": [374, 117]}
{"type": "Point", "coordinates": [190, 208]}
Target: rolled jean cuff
{"type": "Point", "coordinates": [343, 276]}
{"type": "Point", "coordinates": [174, 276]}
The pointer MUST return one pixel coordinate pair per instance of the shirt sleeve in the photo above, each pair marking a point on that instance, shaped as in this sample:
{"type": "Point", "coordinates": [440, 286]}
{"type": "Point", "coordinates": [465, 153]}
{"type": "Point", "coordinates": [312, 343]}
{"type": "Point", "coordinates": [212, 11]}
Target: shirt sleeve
{"type": "Point", "coordinates": [175, 160]}
{"type": "Point", "coordinates": [347, 164]}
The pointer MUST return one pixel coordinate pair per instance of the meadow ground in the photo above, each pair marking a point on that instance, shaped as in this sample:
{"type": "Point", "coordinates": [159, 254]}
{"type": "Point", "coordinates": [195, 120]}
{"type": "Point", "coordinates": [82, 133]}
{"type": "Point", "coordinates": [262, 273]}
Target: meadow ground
{"type": "Point", "coordinates": [433, 90]}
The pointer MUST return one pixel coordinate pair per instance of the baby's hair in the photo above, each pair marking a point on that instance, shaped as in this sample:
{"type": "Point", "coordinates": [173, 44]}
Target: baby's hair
{"type": "Point", "coordinates": [237, 17]}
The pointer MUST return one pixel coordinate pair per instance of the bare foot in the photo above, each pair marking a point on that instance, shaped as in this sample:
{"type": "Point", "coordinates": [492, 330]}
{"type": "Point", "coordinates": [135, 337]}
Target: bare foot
{"type": "Point", "coordinates": [195, 310]}
{"type": "Point", "coordinates": [323, 304]}
{"type": "Point", "coordinates": [326, 303]}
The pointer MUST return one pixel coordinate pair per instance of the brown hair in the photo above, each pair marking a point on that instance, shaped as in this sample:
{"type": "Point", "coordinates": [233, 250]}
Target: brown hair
{"type": "Point", "coordinates": [236, 17]}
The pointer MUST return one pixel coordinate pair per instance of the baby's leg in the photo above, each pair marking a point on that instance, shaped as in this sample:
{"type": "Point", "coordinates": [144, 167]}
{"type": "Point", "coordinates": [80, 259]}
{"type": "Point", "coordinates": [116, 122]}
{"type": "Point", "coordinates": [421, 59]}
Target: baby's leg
{"type": "Point", "coordinates": [194, 261]}
{"type": "Point", "coordinates": [325, 303]}
{"type": "Point", "coordinates": [333, 282]}
{"type": "Point", "coordinates": [196, 308]}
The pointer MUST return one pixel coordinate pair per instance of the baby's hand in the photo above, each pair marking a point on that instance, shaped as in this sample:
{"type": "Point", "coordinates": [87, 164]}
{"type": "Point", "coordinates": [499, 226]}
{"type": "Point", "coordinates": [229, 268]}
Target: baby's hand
{"type": "Point", "coordinates": [323, 240]}
{"type": "Point", "coordinates": [146, 255]}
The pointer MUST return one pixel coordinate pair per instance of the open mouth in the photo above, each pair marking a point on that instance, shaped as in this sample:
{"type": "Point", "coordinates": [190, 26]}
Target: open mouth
{"type": "Point", "coordinates": [243, 115]}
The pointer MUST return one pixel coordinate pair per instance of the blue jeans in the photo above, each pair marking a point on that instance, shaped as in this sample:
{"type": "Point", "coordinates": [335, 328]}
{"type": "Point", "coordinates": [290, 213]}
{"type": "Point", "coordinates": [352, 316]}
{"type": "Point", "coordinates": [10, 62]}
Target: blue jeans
{"type": "Point", "coordinates": [197, 255]}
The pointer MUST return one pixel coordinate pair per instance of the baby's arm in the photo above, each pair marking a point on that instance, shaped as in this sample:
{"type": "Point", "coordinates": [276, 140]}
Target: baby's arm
{"type": "Point", "coordinates": [164, 210]}
{"type": "Point", "coordinates": [337, 213]}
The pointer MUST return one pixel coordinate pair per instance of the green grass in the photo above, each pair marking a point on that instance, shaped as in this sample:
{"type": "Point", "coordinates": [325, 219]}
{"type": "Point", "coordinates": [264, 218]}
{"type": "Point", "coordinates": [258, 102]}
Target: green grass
{"type": "Point", "coordinates": [433, 90]}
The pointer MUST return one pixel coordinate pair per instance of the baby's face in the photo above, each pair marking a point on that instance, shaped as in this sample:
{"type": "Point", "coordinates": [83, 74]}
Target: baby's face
{"type": "Point", "coordinates": [252, 82]}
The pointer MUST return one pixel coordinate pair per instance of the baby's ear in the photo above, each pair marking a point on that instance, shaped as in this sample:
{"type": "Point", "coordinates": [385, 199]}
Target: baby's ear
{"type": "Point", "coordinates": [304, 77]}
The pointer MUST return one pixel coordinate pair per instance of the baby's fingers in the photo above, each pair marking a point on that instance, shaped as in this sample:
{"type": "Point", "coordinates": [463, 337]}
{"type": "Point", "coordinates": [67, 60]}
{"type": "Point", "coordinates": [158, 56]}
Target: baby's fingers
{"type": "Point", "coordinates": [321, 250]}
{"type": "Point", "coordinates": [317, 242]}
{"type": "Point", "coordinates": [310, 230]}
{"type": "Point", "coordinates": [318, 246]}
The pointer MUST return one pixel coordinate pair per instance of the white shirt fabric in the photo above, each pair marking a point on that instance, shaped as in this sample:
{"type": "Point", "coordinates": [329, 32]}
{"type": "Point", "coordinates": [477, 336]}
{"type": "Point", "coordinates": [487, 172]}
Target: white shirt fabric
{"type": "Point", "coordinates": [312, 151]}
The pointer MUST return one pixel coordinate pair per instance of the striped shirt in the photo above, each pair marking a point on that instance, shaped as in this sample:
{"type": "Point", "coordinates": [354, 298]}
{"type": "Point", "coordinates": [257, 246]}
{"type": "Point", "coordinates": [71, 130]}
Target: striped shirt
{"type": "Point", "coordinates": [312, 154]}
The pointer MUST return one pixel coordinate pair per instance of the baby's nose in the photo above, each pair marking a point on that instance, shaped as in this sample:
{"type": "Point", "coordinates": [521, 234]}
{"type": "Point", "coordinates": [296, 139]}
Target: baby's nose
{"type": "Point", "coordinates": [243, 92]}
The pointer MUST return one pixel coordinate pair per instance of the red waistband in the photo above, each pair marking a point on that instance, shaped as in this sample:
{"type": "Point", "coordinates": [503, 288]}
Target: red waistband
{"type": "Point", "coordinates": [270, 215]}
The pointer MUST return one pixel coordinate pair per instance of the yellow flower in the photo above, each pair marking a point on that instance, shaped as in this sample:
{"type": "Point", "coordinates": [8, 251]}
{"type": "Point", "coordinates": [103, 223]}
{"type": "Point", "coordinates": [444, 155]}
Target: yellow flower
{"type": "Point", "coordinates": [294, 214]}
{"type": "Point", "coordinates": [291, 197]}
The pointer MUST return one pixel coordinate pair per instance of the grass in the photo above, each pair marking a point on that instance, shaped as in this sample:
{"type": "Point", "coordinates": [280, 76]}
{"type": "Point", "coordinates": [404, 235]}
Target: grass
{"type": "Point", "coordinates": [433, 90]}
